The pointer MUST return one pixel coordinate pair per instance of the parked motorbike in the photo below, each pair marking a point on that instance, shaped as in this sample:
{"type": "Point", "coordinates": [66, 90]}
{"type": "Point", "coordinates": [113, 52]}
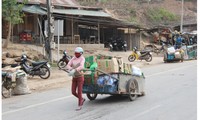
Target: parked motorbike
{"type": "Point", "coordinates": [155, 49]}
{"type": "Point", "coordinates": [64, 60]}
{"type": "Point", "coordinates": [118, 45]}
{"type": "Point", "coordinates": [140, 55]}
{"type": "Point", "coordinates": [41, 69]}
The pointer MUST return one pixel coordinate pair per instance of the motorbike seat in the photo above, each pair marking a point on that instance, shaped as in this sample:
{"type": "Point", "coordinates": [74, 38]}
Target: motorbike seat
{"type": "Point", "coordinates": [143, 52]}
{"type": "Point", "coordinates": [38, 63]}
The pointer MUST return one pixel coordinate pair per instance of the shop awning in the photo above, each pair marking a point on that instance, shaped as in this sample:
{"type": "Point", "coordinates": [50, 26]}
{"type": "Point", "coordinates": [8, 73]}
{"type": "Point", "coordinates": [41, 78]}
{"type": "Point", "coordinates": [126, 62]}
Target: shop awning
{"type": "Point", "coordinates": [81, 12]}
{"type": "Point", "coordinates": [35, 9]}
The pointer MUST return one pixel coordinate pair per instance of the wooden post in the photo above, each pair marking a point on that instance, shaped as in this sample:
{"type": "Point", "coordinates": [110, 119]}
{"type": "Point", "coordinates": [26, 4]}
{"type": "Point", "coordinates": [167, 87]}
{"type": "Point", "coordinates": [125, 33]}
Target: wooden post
{"type": "Point", "coordinates": [12, 31]}
{"type": "Point", "coordinates": [98, 33]}
{"type": "Point", "coordinates": [47, 43]}
{"type": "Point", "coordinates": [58, 55]}
{"type": "Point", "coordinates": [131, 44]}
{"type": "Point", "coordinates": [72, 31]}
{"type": "Point", "coordinates": [140, 39]}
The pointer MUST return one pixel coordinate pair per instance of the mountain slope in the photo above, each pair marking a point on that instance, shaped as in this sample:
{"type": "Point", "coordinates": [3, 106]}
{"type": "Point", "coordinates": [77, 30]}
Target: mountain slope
{"type": "Point", "coordinates": [140, 11]}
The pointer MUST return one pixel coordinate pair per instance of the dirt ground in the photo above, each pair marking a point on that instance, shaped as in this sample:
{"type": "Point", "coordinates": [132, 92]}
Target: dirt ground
{"type": "Point", "coordinates": [59, 78]}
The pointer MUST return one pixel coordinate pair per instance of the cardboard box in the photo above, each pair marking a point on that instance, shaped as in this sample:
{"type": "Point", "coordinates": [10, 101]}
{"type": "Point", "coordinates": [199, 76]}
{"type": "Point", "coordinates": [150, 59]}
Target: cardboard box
{"type": "Point", "coordinates": [114, 65]}
{"type": "Point", "coordinates": [120, 63]}
{"type": "Point", "coordinates": [127, 68]}
{"type": "Point", "coordinates": [177, 55]}
{"type": "Point", "coordinates": [90, 78]}
{"type": "Point", "coordinates": [108, 65]}
{"type": "Point", "coordinates": [102, 65]}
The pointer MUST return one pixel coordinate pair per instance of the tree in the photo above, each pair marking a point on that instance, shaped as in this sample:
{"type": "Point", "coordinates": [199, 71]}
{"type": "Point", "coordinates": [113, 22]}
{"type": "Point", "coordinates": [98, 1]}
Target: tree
{"type": "Point", "coordinates": [12, 13]}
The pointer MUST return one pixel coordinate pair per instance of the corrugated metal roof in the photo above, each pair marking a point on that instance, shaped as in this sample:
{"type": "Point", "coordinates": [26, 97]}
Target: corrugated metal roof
{"type": "Point", "coordinates": [34, 9]}
{"type": "Point", "coordinates": [81, 12]}
{"type": "Point", "coordinates": [71, 3]}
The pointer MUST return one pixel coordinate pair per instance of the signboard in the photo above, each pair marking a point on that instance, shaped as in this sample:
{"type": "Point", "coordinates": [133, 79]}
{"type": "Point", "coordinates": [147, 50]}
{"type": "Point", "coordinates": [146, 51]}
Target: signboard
{"type": "Point", "coordinates": [57, 25]}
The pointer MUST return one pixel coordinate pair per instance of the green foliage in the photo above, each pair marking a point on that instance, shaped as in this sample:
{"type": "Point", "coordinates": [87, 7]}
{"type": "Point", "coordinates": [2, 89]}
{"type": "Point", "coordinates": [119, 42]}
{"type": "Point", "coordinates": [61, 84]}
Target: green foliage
{"type": "Point", "coordinates": [133, 16]}
{"type": "Point", "coordinates": [133, 19]}
{"type": "Point", "coordinates": [160, 14]}
{"type": "Point", "coordinates": [103, 1]}
{"type": "Point", "coordinates": [12, 11]}
{"type": "Point", "coordinates": [132, 12]}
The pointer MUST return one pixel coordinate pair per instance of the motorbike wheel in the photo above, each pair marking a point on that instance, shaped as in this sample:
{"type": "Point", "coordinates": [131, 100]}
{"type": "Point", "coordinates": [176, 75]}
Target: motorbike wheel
{"type": "Point", "coordinates": [111, 49]}
{"type": "Point", "coordinates": [148, 58]}
{"type": "Point", "coordinates": [125, 49]}
{"type": "Point", "coordinates": [61, 64]}
{"type": "Point", "coordinates": [6, 89]}
{"type": "Point", "coordinates": [47, 72]}
{"type": "Point", "coordinates": [165, 58]}
{"type": "Point", "coordinates": [131, 58]}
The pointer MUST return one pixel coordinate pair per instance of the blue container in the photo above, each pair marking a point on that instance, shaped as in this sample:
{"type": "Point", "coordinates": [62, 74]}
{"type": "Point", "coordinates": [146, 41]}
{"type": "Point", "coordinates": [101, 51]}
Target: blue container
{"type": "Point", "coordinates": [170, 57]}
{"type": "Point", "coordinates": [106, 89]}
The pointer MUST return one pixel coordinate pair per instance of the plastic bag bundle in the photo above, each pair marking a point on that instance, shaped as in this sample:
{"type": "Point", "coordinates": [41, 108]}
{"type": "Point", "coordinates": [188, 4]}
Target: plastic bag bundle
{"type": "Point", "coordinates": [72, 72]}
{"type": "Point", "coordinates": [100, 81]}
{"type": "Point", "coordinates": [106, 80]}
{"type": "Point", "coordinates": [21, 87]}
{"type": "Point", "coordinates": [177, 55]}
{"type": "Point", "coordinates": [136, 71]}
{"type": "Point", "coordinates": [171, 50]}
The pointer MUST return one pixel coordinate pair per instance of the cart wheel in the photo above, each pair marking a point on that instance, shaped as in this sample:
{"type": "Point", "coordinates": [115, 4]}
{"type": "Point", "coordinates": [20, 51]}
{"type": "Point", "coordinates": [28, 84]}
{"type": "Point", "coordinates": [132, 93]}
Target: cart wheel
{"type": "Point", "coordinates": [91, 96]}
{"type": "Point", "coordinates": [132, 88]}
{"type": "Point", "coordinates": [181, 60]}
{"type": "Point", "coordinates": [165, 58]}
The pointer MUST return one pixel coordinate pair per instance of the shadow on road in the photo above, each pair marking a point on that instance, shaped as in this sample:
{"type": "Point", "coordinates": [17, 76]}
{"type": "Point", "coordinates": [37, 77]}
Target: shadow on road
{"type": "Point", "coordinates": [110, 99]}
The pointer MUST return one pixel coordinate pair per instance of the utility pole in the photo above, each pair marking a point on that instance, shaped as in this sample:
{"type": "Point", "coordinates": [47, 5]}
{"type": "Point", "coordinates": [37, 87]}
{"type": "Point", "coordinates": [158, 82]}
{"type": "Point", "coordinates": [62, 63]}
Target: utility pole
{"type": "Point", "coordinates": [50, 30]}
{"type": "Point", "coordinates": [182, 13]}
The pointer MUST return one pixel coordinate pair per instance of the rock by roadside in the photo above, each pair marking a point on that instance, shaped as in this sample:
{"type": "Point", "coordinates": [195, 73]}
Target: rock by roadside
{"type": "Point", "coordinates": [14, 52]}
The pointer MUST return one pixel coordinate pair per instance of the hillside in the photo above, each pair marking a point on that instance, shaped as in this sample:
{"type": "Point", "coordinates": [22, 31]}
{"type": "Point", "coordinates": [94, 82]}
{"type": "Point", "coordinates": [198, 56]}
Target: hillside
{"type": "Point", "coordinates": [148, 14]}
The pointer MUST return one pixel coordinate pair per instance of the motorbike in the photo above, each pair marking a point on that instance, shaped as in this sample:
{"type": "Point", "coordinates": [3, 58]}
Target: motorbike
{"type": "Point", "coordinates": [155, 49]}
{"type": "Point", "coordinates": [140, 55]}
{"type": "Point", "coordinates": [64, 60]}
{"type": "Point", "coordinates": [118, 45]}
{"type": "Point", "coordinates": [42, 69]}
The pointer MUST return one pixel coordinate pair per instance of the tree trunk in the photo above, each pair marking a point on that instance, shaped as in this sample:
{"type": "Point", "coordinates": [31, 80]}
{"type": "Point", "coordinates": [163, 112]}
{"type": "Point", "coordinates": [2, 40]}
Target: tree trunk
{"type": "Point", "coordinates": [6, 42]}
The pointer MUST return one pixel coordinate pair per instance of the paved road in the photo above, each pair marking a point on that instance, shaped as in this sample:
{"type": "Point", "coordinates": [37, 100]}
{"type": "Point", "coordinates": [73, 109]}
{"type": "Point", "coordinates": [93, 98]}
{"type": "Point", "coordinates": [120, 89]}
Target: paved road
{"type": "Point", "coordinates": [171, 94]}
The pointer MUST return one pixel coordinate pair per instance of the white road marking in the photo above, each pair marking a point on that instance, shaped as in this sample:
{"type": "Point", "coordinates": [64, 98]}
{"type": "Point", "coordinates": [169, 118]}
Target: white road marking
{"type": "Point", "coordinates": [169, 70]}
{"type": "Point", "coordinates": [35, 105]}
{"type": "Point", "coordinates": [54, 100]}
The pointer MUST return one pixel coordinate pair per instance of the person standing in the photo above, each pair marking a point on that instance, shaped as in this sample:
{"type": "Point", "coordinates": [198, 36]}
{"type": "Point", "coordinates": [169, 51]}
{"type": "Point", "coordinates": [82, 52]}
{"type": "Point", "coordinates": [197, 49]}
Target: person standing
{"type": "Point", "coordinates": [76, 65]}
{"type": "Point", "coordinates": [178, 42]}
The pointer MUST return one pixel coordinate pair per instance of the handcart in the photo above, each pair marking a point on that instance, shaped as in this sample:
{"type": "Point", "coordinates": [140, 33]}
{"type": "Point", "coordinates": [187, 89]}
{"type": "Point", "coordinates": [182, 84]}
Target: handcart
{"type": "Point", "coordinates": [173, 55]}
{"type": "Point", "coordinates": [191, 52]}
{"type": "Point", "coordinates": [99, 82]}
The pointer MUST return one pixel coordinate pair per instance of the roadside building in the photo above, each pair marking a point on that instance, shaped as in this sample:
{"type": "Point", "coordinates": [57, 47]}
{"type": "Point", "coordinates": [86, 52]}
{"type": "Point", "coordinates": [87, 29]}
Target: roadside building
{"type": "Point", "coordinates": [73, 24]}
